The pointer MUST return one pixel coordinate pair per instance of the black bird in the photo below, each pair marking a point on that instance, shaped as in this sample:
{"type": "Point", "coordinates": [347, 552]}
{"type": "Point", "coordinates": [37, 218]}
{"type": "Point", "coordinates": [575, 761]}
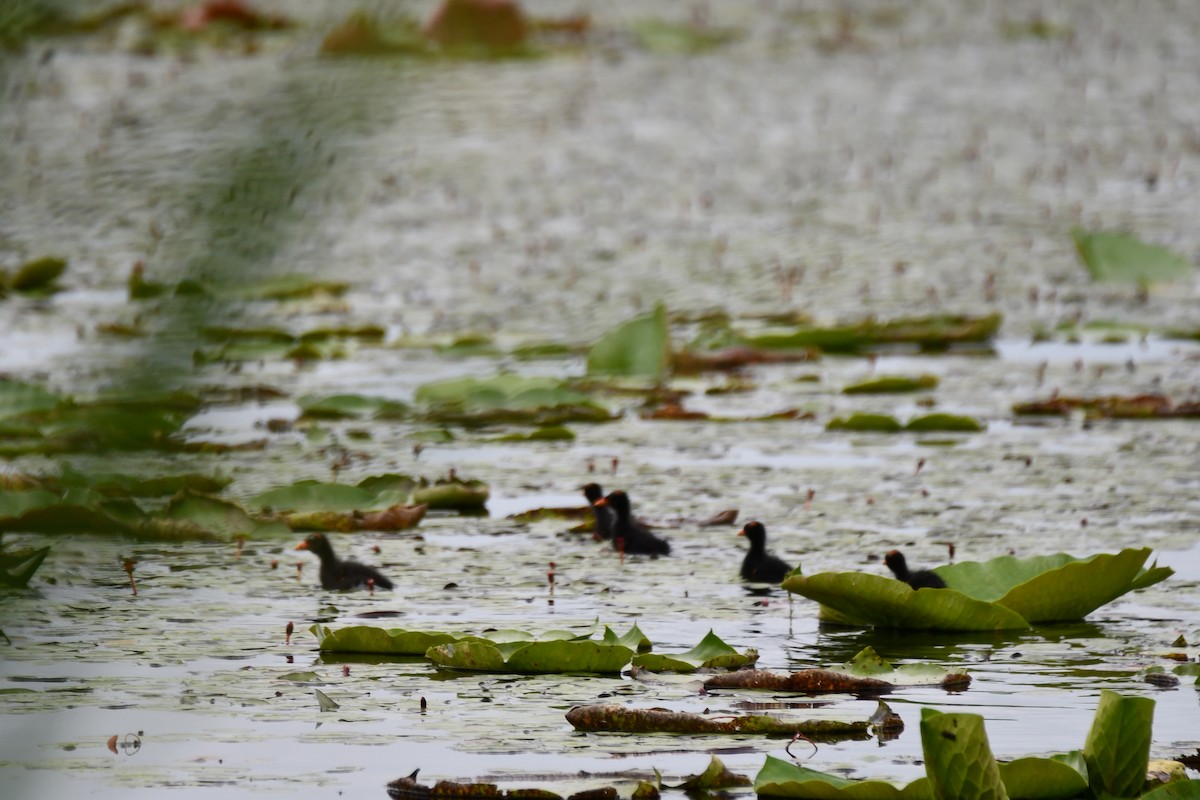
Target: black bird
{"type": "Point", "coordinates": [602, 532]}
{"type": "Point", "coordinates": [921, 579]}
{"type": "Point", "coordinates": [628, 535]}
{"type": "Point", "coordinates": [760, 566]}
{"type": "Point", "coordinates": [337, 574]}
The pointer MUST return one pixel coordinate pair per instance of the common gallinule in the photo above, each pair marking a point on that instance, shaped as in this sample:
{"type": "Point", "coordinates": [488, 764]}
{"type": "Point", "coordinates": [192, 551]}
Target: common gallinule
{"type": "Point", "coordinates": [628, 535]}
{"type": "Point", "coordinates": [602, 531]}
{"type": "Point", "coordinates": [759, 565]}
{"type": "Point", "coordinates": [921, 579]}
{"type": "Point", "coordinates": [338, 574]}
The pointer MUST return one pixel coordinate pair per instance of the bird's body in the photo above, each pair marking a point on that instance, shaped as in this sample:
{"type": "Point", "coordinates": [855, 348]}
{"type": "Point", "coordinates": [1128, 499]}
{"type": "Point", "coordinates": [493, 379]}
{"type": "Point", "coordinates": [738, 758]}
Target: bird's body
{"type": "Point", "coordinates": [602, 531]}
{"type": "Point", "coordinates": [759, 565]}
{"type": "Point", "coordinates": [920, 579]}
{"type": "Point", "coordinates": [337, 574]}
{"type": "Point", "coordinates": [628, 535]}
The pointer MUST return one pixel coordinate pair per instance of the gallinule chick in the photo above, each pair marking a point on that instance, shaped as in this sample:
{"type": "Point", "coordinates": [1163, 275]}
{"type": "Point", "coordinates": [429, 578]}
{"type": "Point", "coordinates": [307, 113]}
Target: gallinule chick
{"type": "Point", "coordinates": [627, 534]}
{"type": "Point", "coordinates": [602, 532]}
{"type": "Point", "coordinates": [921, 579]}
{"type": "Point", "coordinates": [760, 566]}
{"type": "Point", "coordinates": [338, 574]}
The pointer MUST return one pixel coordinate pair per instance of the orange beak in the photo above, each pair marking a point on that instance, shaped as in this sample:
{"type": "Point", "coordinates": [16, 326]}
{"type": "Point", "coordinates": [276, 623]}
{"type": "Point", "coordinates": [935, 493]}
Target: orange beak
{"type": "Point", "coordinates": [302, 546]}
{"type": "Point", "coordinates": [603, 501]}
{"type": "Point", "coordinates": [742, 532]}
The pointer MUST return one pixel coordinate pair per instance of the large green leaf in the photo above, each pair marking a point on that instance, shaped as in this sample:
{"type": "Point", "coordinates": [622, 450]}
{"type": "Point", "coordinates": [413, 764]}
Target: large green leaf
{"type": "Point", "coordinates": [531, 657]}
{"type": "Point", "coordinates": [17, 397]}
{"type": "Point", "coordinates": [370, 639]}
{"type": "Point", "coordinates": [869, 664]}
{"type": "Point", "coordinates": [314, 496]}
{"type": "Point", "coordinates": [1003, 593]}
{"type": "Point", "coordinates": [779, 778]}
{"type": "Point", "coordinates": [710, 653]}
{"type": "Point", "coordinates": [1179, 790]}
{"type": "Point", "coordinates": [1118, 745]}
{"type": "Point", "coordinates": [858, 598]}
{"type": "Point", "coordinates": [1061, 776]}
{"type": "Point", "coordinates": [1111, 256]}
{"type": "Point", "coordinates": [639, 347]}
{"type": "Point", "coordinates": [958, 758]}
{"type": "Point", "coordinates": [507, 398]}
{"type": "Point", "coordinates": [222, 517]}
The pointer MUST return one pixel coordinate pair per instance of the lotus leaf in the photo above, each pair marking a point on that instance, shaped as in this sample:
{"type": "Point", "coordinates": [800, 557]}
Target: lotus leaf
{"type": "Point", "coordinates": [315, 496]}
{"type": "Point", "coordinates": [1051, 778]}
{"type": "Point", "coordinates": [779, 778]}
{"type": "Point", "coordinates": [1181, 790]}
{"type": "Point", "coordinates": [453, 494]}
{"type": "Point", "coordinates": [945, 422]}
{"type": "Point", "coordinates": [370, 639]}
{"type": "Point", "coordinates": [531, 657]}
{"type": "Point", "coordinates": [639, 347]}
{"type": "Point", "coordinates": [1118, 745]}
{"type": "Point", "coordinates": [930, 333]}
{"type": "Point", "coordinates": [1003, 593]}
{"type": "Point", "coordinates": [349, 406]}
{"type": "Point", "coordinates": [880, 423]}
{"type": "Point", "coordinates": [17, 566]}
{"type": "Point", "coordinates": [507, 398]}
{"type": "Point", "coordinates": [958, 758]}
{"type": "Point", "coordinates": [1111, 256]}
{"type": "Point", "coordinates": [710, 653]}
{"type": "Point", "coordinates": [893, 385]}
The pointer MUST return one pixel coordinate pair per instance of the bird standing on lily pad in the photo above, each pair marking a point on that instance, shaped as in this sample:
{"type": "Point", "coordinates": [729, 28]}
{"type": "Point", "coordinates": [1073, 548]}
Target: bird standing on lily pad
{"type": "Point", "coordinates": [920, 579]}
{"type": "Point", "coordinates": [337, 574]}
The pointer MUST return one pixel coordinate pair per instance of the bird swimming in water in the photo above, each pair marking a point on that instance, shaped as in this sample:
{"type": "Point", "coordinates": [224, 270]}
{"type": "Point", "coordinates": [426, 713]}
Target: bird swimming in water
{"type": "Point", "coordinates": [921, 579]}
{"type": "Point", "coordinates": [337, 574]}
{"type": "Point", "coordinates": [759, 565]}
{"type": "Point", "coordinates": [602, 531]}
{"type": "Point", "coordinates": [628, 535]}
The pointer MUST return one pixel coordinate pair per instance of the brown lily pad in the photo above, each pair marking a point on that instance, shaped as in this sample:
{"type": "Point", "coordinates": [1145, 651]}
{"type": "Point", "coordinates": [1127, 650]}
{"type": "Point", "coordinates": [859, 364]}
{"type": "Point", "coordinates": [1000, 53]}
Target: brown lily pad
{"type": "Point", "coordinates": [619, 718]}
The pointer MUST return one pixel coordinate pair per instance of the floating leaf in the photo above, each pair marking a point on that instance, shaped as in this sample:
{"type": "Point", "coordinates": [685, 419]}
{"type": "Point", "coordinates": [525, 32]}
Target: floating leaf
{"type": "Point", "coordinates": [370, 639]}
{"type": "Point", "coordinates": [17, 397]}
{"type": "Point", "coordinates": [929, 333]}
{"type": "Point", "coordinates": [324, 702]}
{"type": "Point", "coordinates": [507, 398]}
{"type": "Point", "coordinates": [314, 496]}
{"type": "Point", "coordinates": [893, 385]}
{"type": "Point", "coordinates": [1111, 256]}
{"type": "Point", "coordinates": [958, 758]}
{"type": "Point", "coordinates": [779, 778]}
{"type": "Point", "coordinates": [639, 347]}
{"type": "Point", "coordinates": [532, 657]}
{"type": "Point", "coordinates": [619, 718]}
{"type": "Point", "coordinates": [350, 406]}
{"type": "Point", "coordinates": [1118, 745]}
{"type": "Point", "coordinates": [38, 276]}
{"type": "Point", "coordinates": [18, 565]}
{"type": "Point", "coordinates": [710, 653]}
{"type": "Point", "coordinates": [670, 38]}
{"type": "Point", "coordinates": [453, 494]}
{"type": "Point", "coordinates": [1035, 590]}
{"type": "Point", "coordinates": [223, 517]}
{"type": "Point", "coordinates": [716, 776]}
{"type": "Point", "coordinates": [1060, 776]}
{"type": "Point", "coordinates": [878, 423]}
{"type": "Point", "coordinates": [866, 672]}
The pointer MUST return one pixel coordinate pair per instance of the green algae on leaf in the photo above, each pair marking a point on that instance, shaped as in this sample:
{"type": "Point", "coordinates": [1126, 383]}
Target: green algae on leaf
{"type": "Point", "coordinates": [1111, 256]}
{"type": "Point", "coordinates": [710, 653]}
{"type": "Point", "coordinates": [640, 347]}
{"type": "Point", "coordinates": [1003, 593]}
{"type": "Point", "coordinates": [875, 423]}
{"type": "Point", "coordinates": [611, 717]}
{"type": "Point", "coordinates": [958, 758]}
{"type": "Point", "coordinates": [893, 384]}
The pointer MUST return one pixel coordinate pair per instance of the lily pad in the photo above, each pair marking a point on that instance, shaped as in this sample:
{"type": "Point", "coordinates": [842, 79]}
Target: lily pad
{"type": "Point", "coordinates": [371, 639]}
{"type": "Point", "coordinates": [1118, 745]}
{"type": "Point", "coordinates": [710, 653]}
{"type": "Point", "coordinates": [1050, 778]}
{"type": "Point", "coordinates": [893, 384]}
{"type": "Point", "coordinates": [532, 657]}
{"type": "Point", "coordinates": [945, 422]}
{"type": "Point", "coordinates": [619, 718]}
{"type": "Point", "coordinates": [351, 406]}
{"type": "Point", "coordinates": [314, 496]}
{"type": "Point", "coordinates": [779, 778]}
{"type": "Point", "coordinates": [1111, 256]}
{"type": "Point", "coordinates": [507, 398]}
{"type": "Point", "coordinates": [1004, 593]}
{"type": "Point", "coordinates": [39, 276]}
{"type": "Point", "coordinates": [877, 423]}
{"type": "Point", "coordinates": [18, 397]}
{"type": "Point", "coordinates": [936, 332]}
{"type": "Point", "coordinates": [453, 494]}
{"type": "Point", "coordinates": [958, 758]}
{"type": "Point", "coordinates": [640, 347]}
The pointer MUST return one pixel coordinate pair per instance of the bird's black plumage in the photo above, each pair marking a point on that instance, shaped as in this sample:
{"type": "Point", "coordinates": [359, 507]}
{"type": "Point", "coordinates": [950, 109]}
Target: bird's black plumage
{"type": "Point", "coordinates": [602, 531]}
{"type": "Point", "coordinates": [338, 574]}
{"type": "Point", "coordinates": [628, 534]}
{"type": "Point", "coordinates": [759, 565]}
{"type": "Point", "coordinates": [921, 579]}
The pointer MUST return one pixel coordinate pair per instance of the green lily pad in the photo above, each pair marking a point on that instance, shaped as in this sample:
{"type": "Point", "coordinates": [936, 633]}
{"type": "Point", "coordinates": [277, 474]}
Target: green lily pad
{"type": "Point", "coordinates": [958, 758]}
{"type": "Point", "coordinates": [507, 398]}
{"type": "Point", "coordinates": [893, 384]}
{"type": "Point", "coordinates": [779, 778]}
{"type": "Point", "coordinates": [945, 422]}
{"type": "Point", "coordinates": [38, 276]}
{"type": "Point", "coordinates": [928, 333]}
{"type": "Point", "coordinates": [710, 653]}
{"type": "Point", "coordinates": [877, 423]}
{"type": "Point", "coordinates": [1118, 745]}
{"type": "Point", "coordinates": [640, 347]}
{"type": "Point", "coordinates": [549, 433]}
{"type": "Point", "coordinates": [351, 406]}
{"type": "Point", "coordinates": [1003, 593]}
{"type": "Point", "coordinates": [18, 565]}
{"type": "Point", "coordinates": [222, 517]}
{"type": "Point", "coordinates": [1111, 256]}
{"type": "Point", "coordinates": [453, 494]}
{"type": "Point", "coordinates": [1179, 790]}
{"type": "Point", "coordinates": [314, 496]}
{"type": "Point", "coordinates": [18, 397]}
{"type": "Point", "coordinates": [370, 639]}
{"type": "Point", "coordinates": [670, 38]}
{"type": "Point", "coordinates": [1060, 776]}
{"type": "Point", "coordinates": [532, 657]}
